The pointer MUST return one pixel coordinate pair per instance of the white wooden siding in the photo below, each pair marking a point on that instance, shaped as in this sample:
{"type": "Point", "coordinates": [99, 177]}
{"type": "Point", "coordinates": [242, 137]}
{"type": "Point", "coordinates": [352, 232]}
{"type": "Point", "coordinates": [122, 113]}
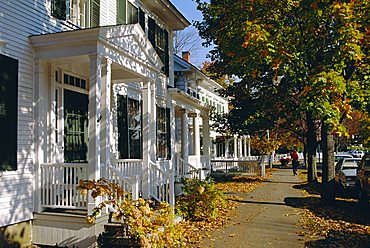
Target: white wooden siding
{"type": "Point", "coordinates": [19, 20]}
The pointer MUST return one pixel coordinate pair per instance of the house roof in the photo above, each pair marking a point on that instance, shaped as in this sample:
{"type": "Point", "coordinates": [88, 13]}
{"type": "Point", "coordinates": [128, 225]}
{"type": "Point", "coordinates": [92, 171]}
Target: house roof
{"type": "Point", "coordinates": [167, 12]}
{"type": "Point", "coordinates": [185, 66]}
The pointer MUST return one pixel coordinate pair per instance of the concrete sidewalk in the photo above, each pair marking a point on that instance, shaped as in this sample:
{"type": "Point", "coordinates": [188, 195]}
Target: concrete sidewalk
{"type": "Point", "coordinates": [263, 219]}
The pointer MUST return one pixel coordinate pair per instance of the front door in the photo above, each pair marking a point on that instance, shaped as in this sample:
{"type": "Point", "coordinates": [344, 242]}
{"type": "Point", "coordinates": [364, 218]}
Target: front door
{"type": "Point", "coordinates": [75, 127]}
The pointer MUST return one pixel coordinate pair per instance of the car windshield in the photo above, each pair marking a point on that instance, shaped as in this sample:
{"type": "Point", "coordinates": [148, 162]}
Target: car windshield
{"type": "Point", "coordinates": [351, 164]}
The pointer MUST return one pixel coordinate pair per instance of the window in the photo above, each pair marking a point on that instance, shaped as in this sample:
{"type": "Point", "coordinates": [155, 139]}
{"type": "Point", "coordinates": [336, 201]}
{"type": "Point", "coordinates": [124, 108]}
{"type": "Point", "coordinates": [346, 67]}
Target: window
{"type": "Point", "coordinates": [159, 39]}
{"type": "Point", "coordinates": [129, 128]}
{"type": "Point", "coordinates": [83, 13]}
{"type": "Point", "coordinates": [8, 112]}
{"type": "Point", "coordinates": [127, 13]}
{"type": "Point", "coordinates": [163, 133]}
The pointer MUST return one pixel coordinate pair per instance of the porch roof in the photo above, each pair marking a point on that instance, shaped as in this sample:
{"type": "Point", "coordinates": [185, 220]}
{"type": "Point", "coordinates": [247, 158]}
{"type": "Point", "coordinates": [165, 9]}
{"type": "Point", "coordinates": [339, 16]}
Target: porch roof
{"type": "Point", "coordinates": [188, 102]}
{"type": "Point", "coordinates": [126, 45]}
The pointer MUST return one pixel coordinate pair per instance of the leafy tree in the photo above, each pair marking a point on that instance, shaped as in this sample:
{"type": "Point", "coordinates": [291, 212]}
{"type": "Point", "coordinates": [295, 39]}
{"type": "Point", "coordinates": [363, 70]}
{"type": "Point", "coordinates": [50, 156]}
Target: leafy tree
{"type": "Point", "coordinates": [297, 60]}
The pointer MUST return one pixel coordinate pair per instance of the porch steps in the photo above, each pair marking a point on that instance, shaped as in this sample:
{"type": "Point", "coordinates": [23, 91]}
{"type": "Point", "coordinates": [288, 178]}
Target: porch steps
{"type": "Point", "coordinates": [116, 235]}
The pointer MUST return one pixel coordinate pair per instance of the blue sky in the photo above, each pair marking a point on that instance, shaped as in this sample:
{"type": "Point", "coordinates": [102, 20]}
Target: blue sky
{"type": "Point", "coordinates": [189, 9]}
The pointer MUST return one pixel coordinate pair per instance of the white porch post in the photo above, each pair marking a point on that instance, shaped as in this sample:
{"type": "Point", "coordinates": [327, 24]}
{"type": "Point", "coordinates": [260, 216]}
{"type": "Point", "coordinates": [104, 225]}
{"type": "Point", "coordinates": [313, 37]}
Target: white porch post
{"type": "Point", "coordinates": [173, 136]}
{"type": "Point", "coordinates": [106, 116]}
{"type": "Point", "coordinates": [227, 144]}
{"type": "Point", "coordinates": [185, 138]}
{"type": "Point", "coordinates": [245, 146]}
{"type": "Point", "coordinates": [196, 139]}
{"type": "Point", "coordinates": [240, 149]}
{"type": "Point", "coordinates": [40, 115]}
{"type": "Point", "coordinates": [206, 142]}
{"type": "Point", "coordinates": [94, 123]}
{"type": "Point", "coordinates": [249, 146]}
{"type": "Point", "coordinates": [147, 115]}
{"type": "Point", "coordinates": [235, 147]}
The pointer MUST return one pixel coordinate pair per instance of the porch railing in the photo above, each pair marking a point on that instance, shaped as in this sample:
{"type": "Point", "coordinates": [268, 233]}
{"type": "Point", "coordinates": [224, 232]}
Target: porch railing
{"type": "Point", "coordinates": [187, 170]}
{"type": "Point", "coordinates": [128, 183]}
{"type": "Point", "coordinates": [59, 184]}
{"type": "Point", "coordinates": [161, 184]}
{"type": "Point", "coordinates": [230, 165]}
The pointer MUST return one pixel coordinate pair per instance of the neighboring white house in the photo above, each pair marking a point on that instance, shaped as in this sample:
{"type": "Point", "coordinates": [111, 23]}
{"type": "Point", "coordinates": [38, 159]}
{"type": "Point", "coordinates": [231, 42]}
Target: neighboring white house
{"type": "Point", "coordinates": [86, 91]}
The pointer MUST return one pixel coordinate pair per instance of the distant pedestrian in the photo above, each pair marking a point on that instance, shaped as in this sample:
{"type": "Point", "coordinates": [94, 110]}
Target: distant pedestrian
{"type": "Point", "coordinates": [295, 163]}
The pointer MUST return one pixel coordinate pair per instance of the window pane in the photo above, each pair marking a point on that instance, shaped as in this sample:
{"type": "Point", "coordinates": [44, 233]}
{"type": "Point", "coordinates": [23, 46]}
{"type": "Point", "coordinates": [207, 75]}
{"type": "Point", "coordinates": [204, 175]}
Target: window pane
{"type": "Point", "coordinates": [134, 116]}
{"type": "Point", "coordinates": [122, 122]}
{"type": "Point", "coordinates": [132, 14]}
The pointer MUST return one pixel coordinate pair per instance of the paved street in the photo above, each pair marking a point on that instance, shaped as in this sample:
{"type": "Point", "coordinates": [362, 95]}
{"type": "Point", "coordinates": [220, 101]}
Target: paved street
{"type": "Point", "coordinates": [266, 217]}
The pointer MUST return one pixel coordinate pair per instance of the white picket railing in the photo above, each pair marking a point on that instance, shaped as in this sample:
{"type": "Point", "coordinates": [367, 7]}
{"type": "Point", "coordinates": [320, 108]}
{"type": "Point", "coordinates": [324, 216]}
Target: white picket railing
{"type": "Point", "coordinates": [183, 170]}
{"type": "Point", "coordinates": [161, 184]}
{"type": "Point", "coordinates": [59, 184]}
{"type": "Point", "coordinates": [128, 183]}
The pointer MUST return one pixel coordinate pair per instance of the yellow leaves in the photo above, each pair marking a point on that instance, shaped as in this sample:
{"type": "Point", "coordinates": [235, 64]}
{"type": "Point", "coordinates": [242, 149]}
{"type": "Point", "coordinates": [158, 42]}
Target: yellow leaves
{"type": "Point", "coordinates": [306, 90]}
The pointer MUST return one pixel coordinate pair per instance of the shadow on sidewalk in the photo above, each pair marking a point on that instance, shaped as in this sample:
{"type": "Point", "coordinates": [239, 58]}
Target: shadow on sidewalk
{"type": "Point", "coordinates": [259, 202]}
{"type": "Point", "coordinates": [344, 210]}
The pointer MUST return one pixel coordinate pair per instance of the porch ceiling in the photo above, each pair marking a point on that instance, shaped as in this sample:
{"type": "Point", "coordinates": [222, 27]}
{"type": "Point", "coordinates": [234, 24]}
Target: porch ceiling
{"type": "Point", "coordinates": [189, 103]}
{"type": "Point", "coordinates": [127, 46]}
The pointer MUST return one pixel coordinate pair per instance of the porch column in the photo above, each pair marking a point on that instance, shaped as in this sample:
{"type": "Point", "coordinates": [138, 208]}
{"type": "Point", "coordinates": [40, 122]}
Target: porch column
{"type": "Point", "coordinates": [235, 148]}
{"type": "Point", "coordinates": [196, 139]}
{"type": "Point", "coordinates": [106, 116]}
{"type": "Point", "coordinates": [40, 115]}
{"type": "Point", "coordinates": [148, 140]}
{"type": "Point", "coordinates": [227, 144]}
{"type": "Point", "coordinates": [215, 149]}
{"type": "Point", "coordinates": [173, 136]}
{"type": "Point", "coordinates": [185, 138]}
{"type": "Point", "coordinates": [240, 149]}
{"type": "Point", "coordinates": [94, 123]}
{"type": "Point", "coordinates": [206, 142]}
{"type": "Point", "coordinates": [245, 146]}
{"type": "Point", "coordinates": [249, 145]}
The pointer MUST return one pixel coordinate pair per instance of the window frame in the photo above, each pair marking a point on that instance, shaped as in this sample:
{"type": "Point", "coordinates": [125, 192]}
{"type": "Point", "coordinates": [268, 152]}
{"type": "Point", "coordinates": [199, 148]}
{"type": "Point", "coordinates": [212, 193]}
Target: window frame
{"type": "Point", "coordinates": [88, 9]}
{"type": "Point", "coordinates": [163, 130]}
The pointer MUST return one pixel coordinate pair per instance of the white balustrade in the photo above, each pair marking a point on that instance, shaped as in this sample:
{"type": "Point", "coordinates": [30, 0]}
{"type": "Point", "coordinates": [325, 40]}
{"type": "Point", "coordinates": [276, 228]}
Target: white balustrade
{"type": "Point", "coordinates": [59, 186]}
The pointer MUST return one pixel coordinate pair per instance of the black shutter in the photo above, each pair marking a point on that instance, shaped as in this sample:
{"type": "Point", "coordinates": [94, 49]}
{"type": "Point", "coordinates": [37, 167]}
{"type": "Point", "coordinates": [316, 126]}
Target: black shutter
{"type": "Point", "coordinates": [95, 13]}
{"type": "Point", "coordinates": [142, 19]}
{"type": "Point", "coordinates": [122, 126]}
{"type": "Point", "coordinates": [58, 9]}
{"type": "Point", "coordinates": [166, 54]}
{"type": "Point", "coordinates": [151, 31]}
{"type": "Point", "coordinates": [8, 112]}
{"type": "Point", "coordinates": [168, 124]}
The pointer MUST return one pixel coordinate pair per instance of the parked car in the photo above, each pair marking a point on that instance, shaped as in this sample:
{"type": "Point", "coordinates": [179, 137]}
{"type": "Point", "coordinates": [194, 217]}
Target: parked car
{"type": "Point", "coordinates": [363, 179]}
{"type": "Point", "coordinates": [345, 175]}
{"type": "Point", "coordinates": [337, 157]}
{"type": "Point", "coordinates": [357, 154]}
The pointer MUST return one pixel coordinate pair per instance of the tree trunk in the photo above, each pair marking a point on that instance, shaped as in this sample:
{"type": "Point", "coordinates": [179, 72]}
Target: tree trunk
{"type": "Point", "coordinates": [311, 149]}
{"type": "Point", "coordinates": [328, 183]}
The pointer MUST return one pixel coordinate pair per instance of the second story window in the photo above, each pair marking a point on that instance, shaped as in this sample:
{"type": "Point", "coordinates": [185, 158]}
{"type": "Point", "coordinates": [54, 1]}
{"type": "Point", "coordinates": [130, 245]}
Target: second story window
{"type": "Point", "coordinates": [127, 13]}
{"type": "Point", "coordinates": [159, 39]}
{"type": "Point", "coordinates": [82, 13]}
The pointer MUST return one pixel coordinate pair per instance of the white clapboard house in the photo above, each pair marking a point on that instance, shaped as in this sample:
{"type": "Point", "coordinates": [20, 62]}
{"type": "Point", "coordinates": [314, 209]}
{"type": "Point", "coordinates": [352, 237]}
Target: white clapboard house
{"type": "Point", "coordinates": [87, 90]}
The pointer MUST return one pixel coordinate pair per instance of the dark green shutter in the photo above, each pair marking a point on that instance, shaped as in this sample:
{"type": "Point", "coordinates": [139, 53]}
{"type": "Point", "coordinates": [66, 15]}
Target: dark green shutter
{"type": "Point", "coordinates": [95, 13]}
{"type": "Point", "coordinates": [166, 54]}
{"type": "Point", "coordinates": [8, 112]}
{"type": "Point", "coordinates": [142, 19]}
{"type": "Point", "coordinates": [58, 9]}
{"type": "Point", "coordinates": [151, 31]}
{"type": "Point", "coordinates": [121, 11]}
{"type": "Point", "coordinates": [122, 126]}
{"type": "Point", "coordinates": [168, 124]}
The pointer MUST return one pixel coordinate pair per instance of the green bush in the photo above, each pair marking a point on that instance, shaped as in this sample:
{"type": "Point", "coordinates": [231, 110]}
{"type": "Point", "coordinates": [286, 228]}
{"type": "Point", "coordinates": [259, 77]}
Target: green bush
{"type": "Point", "coordinates": [201, 200]}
